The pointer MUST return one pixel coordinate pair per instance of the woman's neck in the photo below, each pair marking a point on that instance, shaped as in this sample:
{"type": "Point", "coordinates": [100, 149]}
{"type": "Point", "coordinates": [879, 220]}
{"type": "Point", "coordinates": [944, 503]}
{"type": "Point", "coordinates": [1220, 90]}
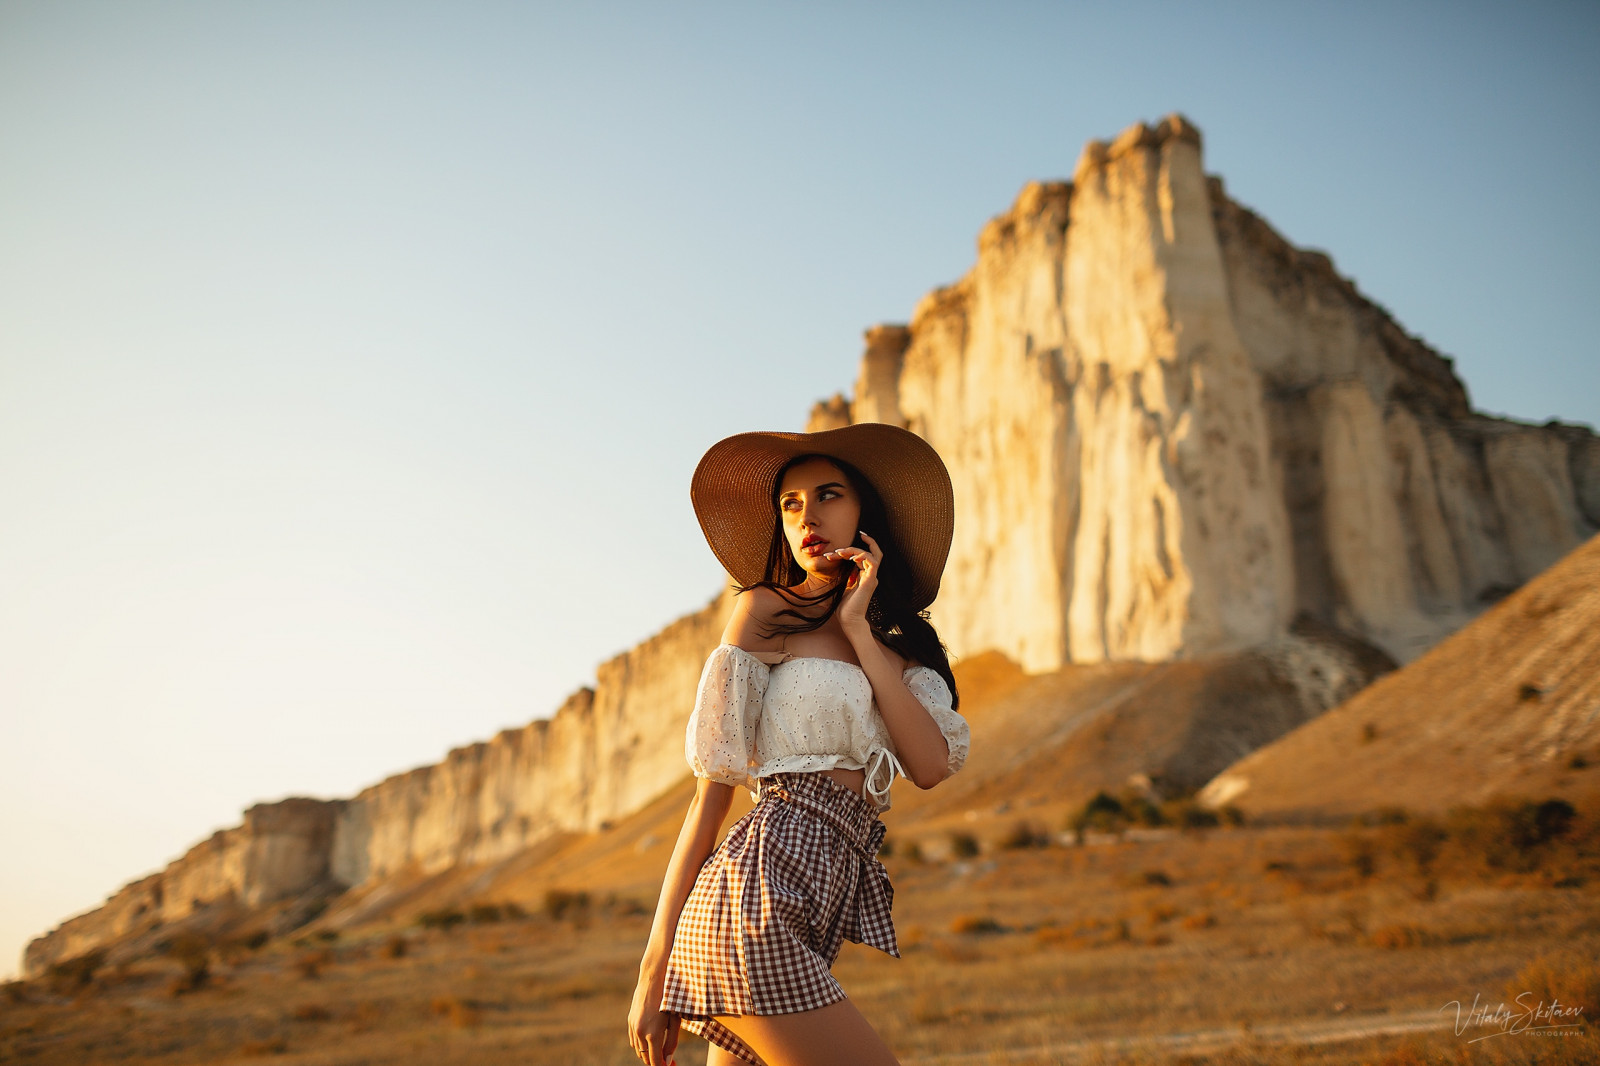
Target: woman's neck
{"type": "Point", "coordinates": [814, 585]}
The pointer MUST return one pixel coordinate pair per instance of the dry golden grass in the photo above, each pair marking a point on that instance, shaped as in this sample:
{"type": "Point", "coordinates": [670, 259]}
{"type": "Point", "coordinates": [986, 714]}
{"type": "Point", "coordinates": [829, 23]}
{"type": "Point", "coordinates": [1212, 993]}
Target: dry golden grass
{"type": "Point", "coordinates": [1255, 945]}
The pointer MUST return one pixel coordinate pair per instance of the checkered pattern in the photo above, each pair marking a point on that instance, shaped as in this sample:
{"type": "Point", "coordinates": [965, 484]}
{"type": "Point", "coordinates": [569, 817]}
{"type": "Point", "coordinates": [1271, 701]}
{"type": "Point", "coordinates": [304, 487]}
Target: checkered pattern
{"type": "Point", "coordinates": [773, 904]}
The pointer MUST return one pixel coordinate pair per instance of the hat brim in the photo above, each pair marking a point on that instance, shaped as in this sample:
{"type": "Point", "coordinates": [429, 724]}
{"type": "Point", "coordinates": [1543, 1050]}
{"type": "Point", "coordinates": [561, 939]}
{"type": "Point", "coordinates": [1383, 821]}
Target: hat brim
{"type": "Point", "coordinates": [732, 495]}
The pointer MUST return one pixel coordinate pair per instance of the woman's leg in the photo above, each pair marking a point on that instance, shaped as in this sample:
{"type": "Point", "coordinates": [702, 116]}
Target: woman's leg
{"type": "Point", "coordinates": [835, 1035]}
{"type": "Point", "coordinates": [721, 1057]}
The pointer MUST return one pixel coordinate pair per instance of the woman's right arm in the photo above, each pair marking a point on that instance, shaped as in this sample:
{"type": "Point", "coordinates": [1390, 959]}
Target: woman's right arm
{"type": "Point", "coordinates": [654, 1035]}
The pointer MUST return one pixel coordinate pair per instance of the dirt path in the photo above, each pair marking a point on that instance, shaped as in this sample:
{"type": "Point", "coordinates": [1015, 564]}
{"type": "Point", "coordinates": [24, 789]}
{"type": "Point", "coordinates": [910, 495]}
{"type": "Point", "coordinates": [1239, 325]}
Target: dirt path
{"type": "Point", "coordinates": [1318, 1031]}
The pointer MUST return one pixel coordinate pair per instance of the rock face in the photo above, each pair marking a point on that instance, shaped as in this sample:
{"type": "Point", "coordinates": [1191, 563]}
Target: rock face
{"type": "Point", "coordinates": [281, 850]}
{"type": "Point", "coordinates": [1171, 433]}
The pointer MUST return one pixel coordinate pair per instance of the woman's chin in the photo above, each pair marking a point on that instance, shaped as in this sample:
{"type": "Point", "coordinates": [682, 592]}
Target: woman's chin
{"type": "Point", "coordinates": [819, 567]}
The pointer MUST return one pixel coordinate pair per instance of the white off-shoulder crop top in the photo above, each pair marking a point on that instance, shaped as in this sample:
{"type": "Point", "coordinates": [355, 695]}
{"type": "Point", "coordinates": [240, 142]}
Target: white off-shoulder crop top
{"type": "Point", "coordinates": [752, 720]}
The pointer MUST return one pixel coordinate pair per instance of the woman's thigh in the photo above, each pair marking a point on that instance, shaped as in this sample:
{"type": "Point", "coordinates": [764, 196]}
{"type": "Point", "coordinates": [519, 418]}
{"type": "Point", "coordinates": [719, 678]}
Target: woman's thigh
{"type": "Point", "coordinates": [835, 1035]}
{"type": "Point", "coordinates": [719, 1057]}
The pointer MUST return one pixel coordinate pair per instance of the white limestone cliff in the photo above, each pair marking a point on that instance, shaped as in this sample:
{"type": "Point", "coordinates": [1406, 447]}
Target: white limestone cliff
{"type": "Point", "coordinates": [1171, 432]}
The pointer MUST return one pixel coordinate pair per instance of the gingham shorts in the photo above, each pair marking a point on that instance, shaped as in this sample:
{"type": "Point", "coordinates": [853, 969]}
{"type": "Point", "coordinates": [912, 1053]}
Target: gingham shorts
{"type": "Point", "coordinates": [773, 904]}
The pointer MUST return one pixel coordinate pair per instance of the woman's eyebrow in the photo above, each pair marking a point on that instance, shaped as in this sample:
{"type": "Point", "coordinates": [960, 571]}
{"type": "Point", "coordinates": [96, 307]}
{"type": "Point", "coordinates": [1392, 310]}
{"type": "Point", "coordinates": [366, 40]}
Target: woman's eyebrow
{"type": "Point", "coordinates": [819, 488]}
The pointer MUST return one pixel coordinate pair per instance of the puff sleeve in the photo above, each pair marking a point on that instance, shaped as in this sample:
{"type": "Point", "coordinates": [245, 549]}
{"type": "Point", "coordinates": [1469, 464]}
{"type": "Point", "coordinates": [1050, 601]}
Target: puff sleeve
{"type": "Point", "coordinates": [720, 740]}
{"type": "Point", "coordinates": [931, 691]}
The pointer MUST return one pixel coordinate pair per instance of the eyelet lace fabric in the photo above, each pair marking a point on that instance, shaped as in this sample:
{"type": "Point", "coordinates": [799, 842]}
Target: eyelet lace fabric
{"type": "Point", "coordinates": [752, 720]}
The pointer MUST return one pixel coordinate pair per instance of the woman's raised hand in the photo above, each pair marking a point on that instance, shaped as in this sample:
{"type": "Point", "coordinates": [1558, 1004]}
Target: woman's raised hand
{"type": "Point", "coordinates": [861, 584]}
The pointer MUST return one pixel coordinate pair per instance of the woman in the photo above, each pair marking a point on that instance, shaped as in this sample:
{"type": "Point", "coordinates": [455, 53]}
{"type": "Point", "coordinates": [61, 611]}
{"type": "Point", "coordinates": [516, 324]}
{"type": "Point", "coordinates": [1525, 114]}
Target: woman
{"type": "Point", "coordinates": [829, 680]}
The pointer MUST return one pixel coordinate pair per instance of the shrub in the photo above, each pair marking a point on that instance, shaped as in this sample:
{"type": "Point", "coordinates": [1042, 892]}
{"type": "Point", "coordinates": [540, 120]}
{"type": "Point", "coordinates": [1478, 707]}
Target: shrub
{"type": "Point", "coordinates": [70, 975]}
{"type": "Point", "coordinates": [1103, 813]}
{"type": "Point", "coordinates": [193, 952]}
{"type": "Point", "coordinates": [963, 845]}
{"type": "Point", "coordinates": [1024, 834]}
{"type": "Point", "coordinates": [1189, 816]}
{"type": "Point", "coordinates": [445, 918]}
{"type": "Point", "coordinates": [975, 925]}
{"type": "Point", "coordinates": [560, 903]}
{"type": "Point", "coordinates": [311, 1012]}
{"type": "Point", "coordinates": [914, 851]}
{"type": "Point", "coordinates": [479, 913]}
{"type": "Point", "coordinates": [1360, 852]}
{"type": "Point", "coordinates": [1156, 877]}
{"type": "Point", "coordinates": [237, 947]}
{"type": "Point", "coordinates": [395, 947]}
{"type": "Point", "coordinates": [1139, 810]}
{"type": "Point", "coordinates": [1510, 834]}
{"type": "Point", "coordinates": [1563, 977]}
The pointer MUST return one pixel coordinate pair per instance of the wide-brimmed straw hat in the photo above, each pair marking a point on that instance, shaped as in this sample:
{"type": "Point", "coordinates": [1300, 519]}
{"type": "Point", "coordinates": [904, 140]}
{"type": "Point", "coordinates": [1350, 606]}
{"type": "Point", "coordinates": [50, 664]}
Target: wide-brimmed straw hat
{"type": "Point", "coordinates": [732, 494]}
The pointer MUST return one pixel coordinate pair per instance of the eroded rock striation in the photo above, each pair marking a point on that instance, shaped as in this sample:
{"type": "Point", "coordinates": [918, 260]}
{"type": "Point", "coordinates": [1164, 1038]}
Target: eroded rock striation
{"type": "Point", "coordinates": [1172, 435]}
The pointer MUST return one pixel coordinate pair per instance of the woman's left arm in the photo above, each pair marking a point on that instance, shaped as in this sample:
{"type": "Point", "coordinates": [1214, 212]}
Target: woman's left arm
{"type": "Point", "coordinates": [918, 741]}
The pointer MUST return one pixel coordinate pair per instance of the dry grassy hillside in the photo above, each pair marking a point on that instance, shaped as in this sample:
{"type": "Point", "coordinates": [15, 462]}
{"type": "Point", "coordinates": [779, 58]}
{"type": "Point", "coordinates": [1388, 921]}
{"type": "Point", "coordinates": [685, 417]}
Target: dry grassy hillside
{"type": "Point", "coordinates": [1509, 705]}
{"type": "Point", "coordinates": [1228, 946]}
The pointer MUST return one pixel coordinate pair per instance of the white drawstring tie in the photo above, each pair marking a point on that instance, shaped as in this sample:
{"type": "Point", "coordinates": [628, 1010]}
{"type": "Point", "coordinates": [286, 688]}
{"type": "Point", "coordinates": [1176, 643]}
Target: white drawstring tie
{"type": "Point", "coordinates": [881, 769]}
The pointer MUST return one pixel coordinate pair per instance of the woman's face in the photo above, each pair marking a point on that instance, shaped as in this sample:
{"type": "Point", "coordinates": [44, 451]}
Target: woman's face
{"type": "Point", "coordinates": [820, 513]}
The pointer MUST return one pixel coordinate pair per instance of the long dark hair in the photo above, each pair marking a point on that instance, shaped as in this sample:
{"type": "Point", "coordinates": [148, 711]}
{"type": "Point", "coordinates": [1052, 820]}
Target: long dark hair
{"type": "Point", "coordinates": [889, 614]}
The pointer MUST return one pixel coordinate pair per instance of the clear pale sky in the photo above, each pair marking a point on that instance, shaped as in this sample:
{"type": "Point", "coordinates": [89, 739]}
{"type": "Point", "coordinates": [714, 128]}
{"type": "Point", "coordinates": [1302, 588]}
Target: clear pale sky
{"type": "Point", "coordinates": [354, 357]}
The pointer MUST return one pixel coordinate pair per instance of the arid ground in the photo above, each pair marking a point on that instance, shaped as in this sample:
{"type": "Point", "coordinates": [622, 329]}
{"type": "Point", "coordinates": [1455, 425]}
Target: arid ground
{"type": "Point", "coordinates": [1397, 941]}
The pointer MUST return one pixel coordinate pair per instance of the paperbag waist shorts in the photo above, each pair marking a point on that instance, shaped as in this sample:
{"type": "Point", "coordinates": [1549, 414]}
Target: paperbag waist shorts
{"type": "Point", "coordinates": [773, 904]}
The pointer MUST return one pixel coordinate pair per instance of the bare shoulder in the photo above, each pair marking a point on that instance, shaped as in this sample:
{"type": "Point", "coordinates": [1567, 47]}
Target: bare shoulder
{"type": "Point", "coordinates": [753, 612]}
